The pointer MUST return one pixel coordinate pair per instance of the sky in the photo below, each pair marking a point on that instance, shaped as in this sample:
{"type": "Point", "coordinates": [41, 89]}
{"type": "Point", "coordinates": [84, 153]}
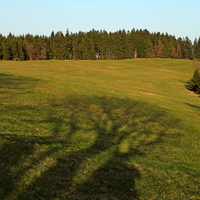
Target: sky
{"type": "Point", "coordinates": [180, 18]}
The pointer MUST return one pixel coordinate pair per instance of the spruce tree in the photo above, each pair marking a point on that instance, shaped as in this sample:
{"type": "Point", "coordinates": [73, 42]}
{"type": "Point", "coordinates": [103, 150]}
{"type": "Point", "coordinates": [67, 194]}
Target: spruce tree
{"type": "Point", "coordinates": [1, 49]}
{"type": "Point", "coordinates": [194, 83]}
{"type": "Point", "coordinates": [195, 48]}
{"type": "Point", "coordinates": [6, 50]}
{"type": "Point", "coordinates": [198, 49]}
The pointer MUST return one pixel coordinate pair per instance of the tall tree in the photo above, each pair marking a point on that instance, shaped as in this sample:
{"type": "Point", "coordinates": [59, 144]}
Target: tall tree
{"type": "Point", "coordinates": [126, 44]}
{"type": "Point", "coordinates": [179, 51]}
{"type": "Point", "coordinates": [158, 48]}
{"type": "Point", "coordinates": [197, 51]}
{"type": "Point", "coordinates": [6, 49]}
{"type": "Point", "coordinates": [75, 52]}
{"type": "Point", "coordinates": [1, 49]}
{"type": "Point", "coordinates": [150, 50]}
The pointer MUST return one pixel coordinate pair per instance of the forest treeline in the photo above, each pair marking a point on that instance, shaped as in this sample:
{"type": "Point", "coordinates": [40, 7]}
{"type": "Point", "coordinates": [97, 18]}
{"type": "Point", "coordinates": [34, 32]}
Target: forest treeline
{"type": "Point", "coordinates": [98, 45]}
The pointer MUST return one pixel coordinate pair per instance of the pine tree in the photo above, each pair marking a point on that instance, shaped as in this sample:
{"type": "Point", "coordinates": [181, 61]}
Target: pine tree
{"type": "Point", "coordinates": [67, 45]}
{"type": "Point", "coordinates": [158, 48]}
{"type": "Point", "coordinates": [133, 43]}
{"type": "Point", "coordinates": [187, 49]}
{"type": "Point", "coordinates": [1, 49]}
{"type": "Point", "coordinates": [179, 51]}
{"type": "Point", "coordinates": [21, 52]}
{"type": "Point", "coordinates": [195, 47]}
{"type": "Point", "coordinates": [194, 83]}
{"type": "Point", "coordinates": [150, 50]}
{"type": "Point", "coordinates": [6, 50]}
{"type": "Point", "coordinates": [75, 52]}
{"type": "Point", "coordinates": [92, 52]}
{"type": "Point", "coordinates": [198, 49]}
{"type": "Point", "coordinates": [125, 44]}
{"type": "Point", "coordinates": [119, 49]}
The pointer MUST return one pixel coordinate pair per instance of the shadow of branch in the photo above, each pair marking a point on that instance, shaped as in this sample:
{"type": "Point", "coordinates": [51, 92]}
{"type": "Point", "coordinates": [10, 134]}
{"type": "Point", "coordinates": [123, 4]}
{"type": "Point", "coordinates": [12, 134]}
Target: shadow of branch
{"type": "Point", "coordinates": [86, 153]}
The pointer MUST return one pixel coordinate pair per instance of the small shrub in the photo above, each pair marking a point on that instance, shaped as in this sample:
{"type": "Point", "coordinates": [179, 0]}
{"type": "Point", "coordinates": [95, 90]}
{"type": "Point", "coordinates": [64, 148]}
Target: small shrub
{"type": "Point", "coordinates": [194, 83]}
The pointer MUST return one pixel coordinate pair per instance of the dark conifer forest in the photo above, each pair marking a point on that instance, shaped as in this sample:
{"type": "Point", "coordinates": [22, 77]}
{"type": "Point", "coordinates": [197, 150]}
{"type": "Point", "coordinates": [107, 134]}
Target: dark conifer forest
{"type": "Point", "coordinates": [98, 45]}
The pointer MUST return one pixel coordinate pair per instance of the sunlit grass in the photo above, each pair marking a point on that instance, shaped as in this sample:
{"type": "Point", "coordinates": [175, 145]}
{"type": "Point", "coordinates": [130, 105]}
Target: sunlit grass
{"type": "Point", "coordinates": [98, 130]}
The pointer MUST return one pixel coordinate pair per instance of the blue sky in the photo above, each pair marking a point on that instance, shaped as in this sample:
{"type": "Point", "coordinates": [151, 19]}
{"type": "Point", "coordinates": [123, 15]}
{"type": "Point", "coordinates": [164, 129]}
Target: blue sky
{"type": "Point", "coordinates": [180, 18]}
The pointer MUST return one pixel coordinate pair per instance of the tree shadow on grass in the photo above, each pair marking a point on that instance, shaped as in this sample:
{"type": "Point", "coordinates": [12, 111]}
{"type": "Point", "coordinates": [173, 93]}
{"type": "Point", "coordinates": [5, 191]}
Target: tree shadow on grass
{"type": "Point", "coordinates": [193, 106]}
{"type": "Point", "coordinates": [10, 84]}
{"type": "Point", "coordinates": [84, 150]}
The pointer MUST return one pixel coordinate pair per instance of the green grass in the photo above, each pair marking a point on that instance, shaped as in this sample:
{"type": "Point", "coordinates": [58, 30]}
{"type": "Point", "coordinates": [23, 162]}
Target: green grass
{"type": "Point", "coordinates": [99, 130]}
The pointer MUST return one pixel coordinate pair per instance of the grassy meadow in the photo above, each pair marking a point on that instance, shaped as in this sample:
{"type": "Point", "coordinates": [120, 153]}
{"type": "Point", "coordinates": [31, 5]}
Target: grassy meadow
{"type": "Point", "coordinates": [125, 129]}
